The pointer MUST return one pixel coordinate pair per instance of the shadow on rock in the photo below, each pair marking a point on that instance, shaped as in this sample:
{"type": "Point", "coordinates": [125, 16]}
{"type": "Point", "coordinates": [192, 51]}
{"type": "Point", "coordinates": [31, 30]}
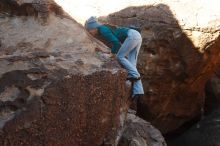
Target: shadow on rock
{"type": "Point", "coordinates": [212, 91]}
{"type": "Point", "coordinates": [204, 133]}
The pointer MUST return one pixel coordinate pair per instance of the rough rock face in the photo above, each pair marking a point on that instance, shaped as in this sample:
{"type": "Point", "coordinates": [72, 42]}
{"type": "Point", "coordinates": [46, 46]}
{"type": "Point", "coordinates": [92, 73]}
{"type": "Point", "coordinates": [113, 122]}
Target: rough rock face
{"type": "Point", "coordinates": [180, 52]}
{"type": "Point", "coordinates": [213, 93]}
{"type": "Point", "coordinates": [138, 132]}
{"type": "Point", "coordinates": [204, 133]}
{"type": "Point", "coordinates": [54, 89]}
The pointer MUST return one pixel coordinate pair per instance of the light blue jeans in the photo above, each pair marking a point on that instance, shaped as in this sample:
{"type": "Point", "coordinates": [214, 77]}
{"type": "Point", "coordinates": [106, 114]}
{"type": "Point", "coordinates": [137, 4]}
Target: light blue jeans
{"type": "Point", "coordinates": [127, 56]}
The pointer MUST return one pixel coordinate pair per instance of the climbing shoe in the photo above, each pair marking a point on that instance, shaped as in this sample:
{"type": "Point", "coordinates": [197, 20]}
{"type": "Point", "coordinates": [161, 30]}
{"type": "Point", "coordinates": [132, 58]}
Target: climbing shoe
{"type": "Point", "coordinates": [132, 79]}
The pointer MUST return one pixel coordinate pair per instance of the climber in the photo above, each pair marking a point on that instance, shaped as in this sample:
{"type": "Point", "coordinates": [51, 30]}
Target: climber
{"type": "Point", "coordinates": [126, 43]}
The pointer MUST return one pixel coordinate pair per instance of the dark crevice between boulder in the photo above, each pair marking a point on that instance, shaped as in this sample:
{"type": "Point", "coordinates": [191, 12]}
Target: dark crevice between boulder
{"type": "Point", "coordinates": [204, 133]}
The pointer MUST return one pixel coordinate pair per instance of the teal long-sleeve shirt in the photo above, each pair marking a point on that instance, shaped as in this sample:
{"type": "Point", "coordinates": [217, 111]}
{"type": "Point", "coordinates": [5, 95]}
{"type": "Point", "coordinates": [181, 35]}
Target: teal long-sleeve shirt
{"type": "Point", "coordinates": [114, 36]}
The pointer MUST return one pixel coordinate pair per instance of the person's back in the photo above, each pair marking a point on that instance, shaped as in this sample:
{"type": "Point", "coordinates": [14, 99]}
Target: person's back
{"type": "Point", "coordinates": [118, 31]}
{"type": "Point", "coordinates": [115, 36]}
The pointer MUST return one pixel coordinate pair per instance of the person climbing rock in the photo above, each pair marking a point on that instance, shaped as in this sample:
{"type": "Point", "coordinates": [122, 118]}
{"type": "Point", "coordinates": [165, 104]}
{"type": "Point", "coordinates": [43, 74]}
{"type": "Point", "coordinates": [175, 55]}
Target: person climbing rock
{"type": "Point", "coordinates": [126, 43]}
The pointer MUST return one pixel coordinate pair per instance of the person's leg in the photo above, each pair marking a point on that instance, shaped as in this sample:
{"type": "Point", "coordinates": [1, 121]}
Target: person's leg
{"type": "Point", "coordinates": [132, 57]}
{"type": "Point", "coordinates": [138, 88]}
{"type": "Point", "coordinates": [131, 47]}
{"type": "Point", "coordinates": [128, 46]}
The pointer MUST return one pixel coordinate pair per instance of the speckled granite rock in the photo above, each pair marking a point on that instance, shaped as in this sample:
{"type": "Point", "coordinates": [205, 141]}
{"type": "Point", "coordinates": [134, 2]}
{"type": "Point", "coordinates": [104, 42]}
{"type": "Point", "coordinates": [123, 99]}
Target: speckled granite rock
{"type": "Point", "coordinates": [54, 88]}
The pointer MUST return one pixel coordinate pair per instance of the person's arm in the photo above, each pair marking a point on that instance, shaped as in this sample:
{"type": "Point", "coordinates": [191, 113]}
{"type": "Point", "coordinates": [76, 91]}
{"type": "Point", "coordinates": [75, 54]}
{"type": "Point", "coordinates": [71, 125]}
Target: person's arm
{"type": "Point", "coordinates": [97, 49]}
{"type": "Point", "coordinates": [110, 37]}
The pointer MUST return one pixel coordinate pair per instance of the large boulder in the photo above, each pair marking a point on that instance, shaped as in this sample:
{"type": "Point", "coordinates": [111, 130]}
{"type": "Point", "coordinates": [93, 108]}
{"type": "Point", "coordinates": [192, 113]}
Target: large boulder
{"type": "Point", "coordinates": [55, 90]}
{"type": "Point", "coordinates": [180, 52]}
{"type": "Point", "coordinates": [138, 132]}
{"type": "Point", "coordinates": [204, 133]}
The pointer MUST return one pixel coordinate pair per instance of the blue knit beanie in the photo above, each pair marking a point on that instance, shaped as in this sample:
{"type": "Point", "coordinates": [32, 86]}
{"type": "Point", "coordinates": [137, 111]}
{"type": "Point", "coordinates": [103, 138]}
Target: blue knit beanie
{"type": "Point", "coordinates": [92, 23]}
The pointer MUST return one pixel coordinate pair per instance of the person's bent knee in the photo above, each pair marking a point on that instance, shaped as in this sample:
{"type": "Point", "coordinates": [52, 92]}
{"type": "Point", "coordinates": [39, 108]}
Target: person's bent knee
{"type": "Point", "coordinates": [119, 57]}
